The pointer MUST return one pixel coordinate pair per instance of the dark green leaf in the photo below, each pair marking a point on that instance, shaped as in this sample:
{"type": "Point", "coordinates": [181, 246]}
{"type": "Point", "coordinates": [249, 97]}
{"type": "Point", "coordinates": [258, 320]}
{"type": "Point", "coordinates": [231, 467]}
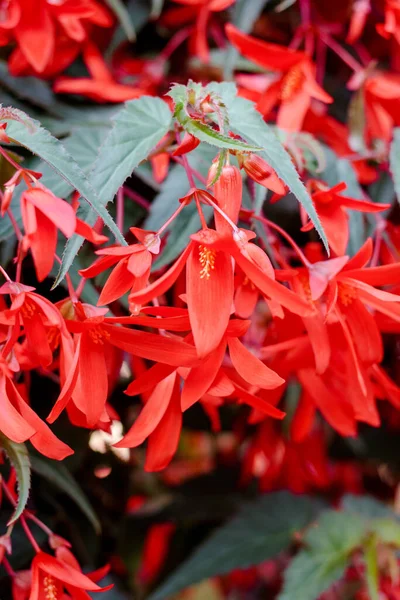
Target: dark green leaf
{"type": "Point", "coordinates": [41, 143]}
{"type": "Point", "coordinates": [19, 458]}
{"type": "Point", "coordinates": [261, 530]}
{"type": "Point", "coordinates": [119, 8]}
{"type": "Point", "coordinates": [35, 90]}
{"type": "Point", "coordinates": [137, 128]}
{"type": "Point", "coordinates": [58, 475]}
{"type": "Point", "coordinates": [325, 558]}
{"type": "Point", "coordinates": [366, 506]}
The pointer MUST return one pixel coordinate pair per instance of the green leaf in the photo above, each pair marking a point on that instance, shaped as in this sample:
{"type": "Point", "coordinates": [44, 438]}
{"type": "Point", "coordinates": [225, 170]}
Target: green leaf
{"type": "Point", "coordinates": [394, 160]}
{"type": "Point", "coordinates": [19, 458]}
{"type": "Point", "coordinates": [41, 143]}
{"type": "Point", "coordinates": [119, 8]}
{"type": "Point", "coordinates": [260, 531]}
{"type": "Point", "coordinates": [200, 130]}
{"type": "Point", "coordinates": [246, 121]}
{"type": "Point", "coordinates": [325, 558]}
{"type": "Point", "coordinates": [357, 229]}
{"type": "Point", "coordinates": [245, 14]}
{"type": "Point", "coordinates": [137, 128]}
{"type": "Point", "coordinates": [35, 90]}
{"type": "Point", "coordinates": [367, 506]}
{"type": "Point", "coordinates": [58, 475]}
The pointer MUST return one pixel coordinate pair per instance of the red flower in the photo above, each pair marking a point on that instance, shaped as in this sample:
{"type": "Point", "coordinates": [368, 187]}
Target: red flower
{"type": "Point", "coordinates": [161, 417]}
{"type": "Point", "coordinates": [20, 423]}
{"type": "Point", "coordinates": [86, 370]}
{"type": "Point", "coordinates": [331, 208]}
{"type": "Point", "coordinates": [51, 576]}
{"type": "Point", "coordinates": [295, 87]}
{"type": "Point", "coordinates": [210, 284]}
{"type": "Point", "coordinates": [36, 314]}
{"type": "Point", "coordinates": [43, 214]}
{"type": "Point", "coordinates": [133, 265]}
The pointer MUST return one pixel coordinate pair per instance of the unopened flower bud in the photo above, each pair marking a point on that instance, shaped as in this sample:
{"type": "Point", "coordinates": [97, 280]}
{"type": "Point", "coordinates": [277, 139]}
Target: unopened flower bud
{"type": "Point", "coordinates": [228, 194]}
{"type": "Point", "coordinates": [259, 170]}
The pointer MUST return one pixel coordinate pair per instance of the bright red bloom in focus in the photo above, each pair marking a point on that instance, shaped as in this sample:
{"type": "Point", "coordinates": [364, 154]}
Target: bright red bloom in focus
{"type": "Point", "coordinates": [43, 214]}
{"type": "Point", "coordinates": [133, 265]}
{"type": "Point", "coordinates": [331, 208]}
{"type": "Point", "coordinates": [295, 87]}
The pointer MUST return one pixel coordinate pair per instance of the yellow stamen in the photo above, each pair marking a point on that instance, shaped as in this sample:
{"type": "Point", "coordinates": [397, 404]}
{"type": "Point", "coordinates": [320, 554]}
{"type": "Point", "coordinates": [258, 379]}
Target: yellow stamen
{"type": "Point", "coordinates": [346, 293]}
{"type": "Point", "coordinates": [207, 261]}
{"type": "Point", "coordinates": [50, 588]}
{"type": "Point", "coordinates": [292, 82]}
{"type": "Point", "coordinates": [98, 334]}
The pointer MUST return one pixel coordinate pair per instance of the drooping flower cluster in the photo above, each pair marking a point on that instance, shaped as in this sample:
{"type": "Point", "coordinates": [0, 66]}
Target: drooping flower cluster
{"type": "Point", "coordinates": [253, 316]}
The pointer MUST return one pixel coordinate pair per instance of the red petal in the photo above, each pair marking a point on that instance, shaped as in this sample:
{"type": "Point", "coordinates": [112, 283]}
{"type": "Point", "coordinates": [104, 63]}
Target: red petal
{"type": "Point", "coordinates": [383, 275]}
{"type": "Point", "coordinates": [178, 323]}
{"type": "Point", "coordinates": [68, 387]}
{"type": "Point", "coordinates": [228, 194]}
{"type": "Point", "coordinates": [362, 257]}
{"type": "Point", "coordinates": [149, 379]}
{"type": "Point", "coordinates": [12, 424]}
{"type": "Point", "coordinates": [209, 297]}
{"type": "Point", "coordinates": [99, 265]}
{"type": "Point", "coordinates": [118, 283]}
{"type": "Point", "coordinates": [259, 404]}
{"type": "Point", "coordinates": [63, 572]}
{"type": "Point", "coordinates": [59, 212]}
{"type": "Point", "coordinates": [92, 381]}
{"type": "Point", "coordinates": [364, 331]}
{"type": "Point", "coordinates": [340, 416]}
{"type": "Point", "coordinates": [163, 283]}
{"type": "Point", "coordinates": [36, 337]}
{"type": "Point", "coordinates": [43, 439]}
{"type": "Point", "coordinates": [271, 288]}
{"type": "Point", "coordinates": [43, 244]}
{"type": "Point", "coordinates": [251, 368]}
{"type": "Point", "coordinates": [270, 56]}
{"type": "Point", "coordinates": [200, 378]}
{"type": "Point", "coordinates": [89, 233]}
{"type": "Point", "coordinates": [150, 415]}
{"type": "Point", "coordinates": [159, 348]}
{"type": "Point", "coordinates": [139, 263]}
{"type": "Point", "coordinates": [163, 441]}
{"type": "Point", "coordinates": [35, 34]}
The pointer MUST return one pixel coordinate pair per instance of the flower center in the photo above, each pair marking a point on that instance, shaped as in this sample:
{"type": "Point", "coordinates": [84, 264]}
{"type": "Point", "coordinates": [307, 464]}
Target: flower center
{"type": "Point", "coordinates": [291, 83]}
{"type": "Point", "coordinates": [98, 334]}
{"type": "Point", "coordinates": [53, 337]}
{"type": "Point", "coordinates": [28, 309]}
{"type": "Point", "coordinates": [207, 261]}
{"type": "Point", "coordinates": [346, 294]}
{"type": "Point", "coordinates": [50, 588]}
